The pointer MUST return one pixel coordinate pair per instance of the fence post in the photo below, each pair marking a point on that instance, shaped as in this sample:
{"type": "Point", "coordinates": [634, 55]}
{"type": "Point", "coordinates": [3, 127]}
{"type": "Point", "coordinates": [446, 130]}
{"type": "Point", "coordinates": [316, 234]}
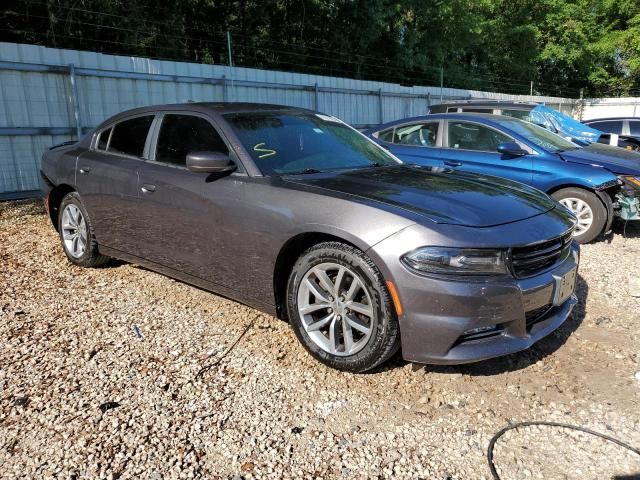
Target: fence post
{"type": "Point", "coordinates": [380, 105]}
{"type": "Point", "coordinates": [74, 100]}
{"type": "Point", "coordinates": [581, 109]}
{"type": "Point", "coordinates": [224, 88]}
{"type": "Point", "coordinates": [316, 97]}
{"type": "Point", "coordinates": [229, 48]}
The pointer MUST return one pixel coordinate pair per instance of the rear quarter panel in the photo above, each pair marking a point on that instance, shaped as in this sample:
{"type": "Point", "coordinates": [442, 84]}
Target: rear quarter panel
{"type": "Point", "coordinates": [59, 166]}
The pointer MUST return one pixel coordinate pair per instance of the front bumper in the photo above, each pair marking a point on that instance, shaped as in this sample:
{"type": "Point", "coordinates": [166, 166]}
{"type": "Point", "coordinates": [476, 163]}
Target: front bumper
{"type": "Point", "coordinates": [441, 317]}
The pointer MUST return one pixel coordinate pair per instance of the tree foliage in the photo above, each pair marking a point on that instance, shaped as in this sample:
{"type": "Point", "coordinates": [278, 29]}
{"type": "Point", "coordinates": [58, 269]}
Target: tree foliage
{"type": "Point", "coordinates": [561, 46]}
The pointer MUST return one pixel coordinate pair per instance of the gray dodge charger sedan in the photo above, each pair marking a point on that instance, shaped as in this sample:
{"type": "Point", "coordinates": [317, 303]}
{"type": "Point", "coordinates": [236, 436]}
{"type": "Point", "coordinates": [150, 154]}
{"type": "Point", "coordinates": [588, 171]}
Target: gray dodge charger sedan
{"type": "Point", "coordinates": [299, 215]}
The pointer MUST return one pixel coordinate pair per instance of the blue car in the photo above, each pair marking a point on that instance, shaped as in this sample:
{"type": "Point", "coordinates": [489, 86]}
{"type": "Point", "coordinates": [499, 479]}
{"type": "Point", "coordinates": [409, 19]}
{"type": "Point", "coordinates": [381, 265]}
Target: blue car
{"type": "Point", "coordinates": [596, 182]}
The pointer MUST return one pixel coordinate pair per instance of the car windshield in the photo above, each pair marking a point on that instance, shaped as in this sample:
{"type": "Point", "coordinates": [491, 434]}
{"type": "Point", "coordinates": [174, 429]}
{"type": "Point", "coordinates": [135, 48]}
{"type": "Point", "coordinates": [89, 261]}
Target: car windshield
{"type": "Point", "coordinates": [300, 142]}
{"type": "Point", "coordinates": [539, 136]}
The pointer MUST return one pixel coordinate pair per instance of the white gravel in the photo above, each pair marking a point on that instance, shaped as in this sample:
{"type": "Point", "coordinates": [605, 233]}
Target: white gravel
{"type": "Point", "coordinates": [84, 394]}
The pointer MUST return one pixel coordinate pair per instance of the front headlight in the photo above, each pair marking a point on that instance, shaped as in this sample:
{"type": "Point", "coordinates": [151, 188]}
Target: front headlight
{"type": "Point", "coordinates": [456, 261]}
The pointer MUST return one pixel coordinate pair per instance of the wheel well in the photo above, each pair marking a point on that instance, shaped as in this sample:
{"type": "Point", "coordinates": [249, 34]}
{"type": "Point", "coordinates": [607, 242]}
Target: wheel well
{"type": "Point", "coordinates": [54, 199]}
{"type": "Point", "coordinates": [569, 185]}
{"type": "Point", "coordinates": [287, 258]}
{"type": "Point", "coordinates": [604, 196]}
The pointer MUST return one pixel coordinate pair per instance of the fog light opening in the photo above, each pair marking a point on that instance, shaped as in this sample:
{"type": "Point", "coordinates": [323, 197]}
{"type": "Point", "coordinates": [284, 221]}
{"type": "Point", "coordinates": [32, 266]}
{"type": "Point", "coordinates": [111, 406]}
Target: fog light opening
{"type": "Point", "coordinates": [485, 329]}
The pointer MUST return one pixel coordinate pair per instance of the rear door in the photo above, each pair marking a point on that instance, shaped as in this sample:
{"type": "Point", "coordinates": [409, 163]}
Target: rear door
{"type": "Point", "coordinates": [472, 147]}
{"type": "Point", "coordinates": [187, 218]}
{"type": "Point", "coordinates": [415, 142]}
{"type": "Point", "coordinates": [107, 180]}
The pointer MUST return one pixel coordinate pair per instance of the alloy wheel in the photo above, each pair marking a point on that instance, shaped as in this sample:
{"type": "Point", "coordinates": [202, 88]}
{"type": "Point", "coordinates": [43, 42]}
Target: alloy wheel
{"type": "Point", "coordinates": [582, 211]}
{"type": "Point", "coordinates": [74, 231]}
{"type": "Point", "coordinates": [336, 309]}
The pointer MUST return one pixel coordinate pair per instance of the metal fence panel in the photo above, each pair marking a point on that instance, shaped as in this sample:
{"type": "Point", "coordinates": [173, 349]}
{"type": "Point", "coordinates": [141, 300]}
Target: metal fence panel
{"type": "Point", "coordinates": [611, 107]}
{"type": "Point", "coordinates": [39, 102]}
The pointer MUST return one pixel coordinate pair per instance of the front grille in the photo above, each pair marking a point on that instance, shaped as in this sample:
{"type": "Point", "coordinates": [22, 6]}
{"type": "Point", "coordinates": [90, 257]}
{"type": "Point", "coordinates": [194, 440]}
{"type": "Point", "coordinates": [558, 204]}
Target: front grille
{"type": "Point", "coordinates": [533, 259]}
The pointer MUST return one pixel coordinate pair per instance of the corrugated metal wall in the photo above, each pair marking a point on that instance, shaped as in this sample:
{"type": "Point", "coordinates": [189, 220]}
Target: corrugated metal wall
{"type": "Point", "coordinates": [38, 104]}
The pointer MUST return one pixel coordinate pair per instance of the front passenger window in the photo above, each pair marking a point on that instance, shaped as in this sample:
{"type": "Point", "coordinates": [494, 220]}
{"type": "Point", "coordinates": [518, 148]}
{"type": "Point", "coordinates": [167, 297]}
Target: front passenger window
{"type": "Point", "coordinates": [182, 134]}
{"type": "Point", "coordinates": [473, 136]}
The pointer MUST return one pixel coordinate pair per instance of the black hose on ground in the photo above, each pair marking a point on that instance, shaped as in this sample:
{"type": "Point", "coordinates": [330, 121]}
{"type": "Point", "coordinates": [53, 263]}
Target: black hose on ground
{"type": "Point", "coordinates": [514, 426]}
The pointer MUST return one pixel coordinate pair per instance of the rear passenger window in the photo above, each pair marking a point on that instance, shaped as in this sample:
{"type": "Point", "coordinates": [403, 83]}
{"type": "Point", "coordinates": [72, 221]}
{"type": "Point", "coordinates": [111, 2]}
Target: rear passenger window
{"type": "Point", "coordinates": [129, 137]}
{"type": "Point", "coordinates": [103, 139]}
{"type": "Point", "coordinates": [181, 134]}
{"type": "Point", "coordinates": [634, 128]}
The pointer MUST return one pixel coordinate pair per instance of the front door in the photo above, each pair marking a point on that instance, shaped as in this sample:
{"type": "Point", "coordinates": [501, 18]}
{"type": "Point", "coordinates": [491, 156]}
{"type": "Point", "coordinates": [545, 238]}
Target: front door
{"type": "Point", "coordinates": [187, 216]}
{"type": "Point", "coordinates": [472, 147]}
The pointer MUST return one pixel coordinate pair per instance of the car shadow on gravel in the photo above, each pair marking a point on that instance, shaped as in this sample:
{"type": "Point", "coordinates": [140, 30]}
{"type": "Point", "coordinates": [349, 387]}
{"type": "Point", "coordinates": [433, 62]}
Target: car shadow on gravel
{"type": "Point", "coordinates": [521, 360]}
{"type": "Point", "coordinates": [629, 229]}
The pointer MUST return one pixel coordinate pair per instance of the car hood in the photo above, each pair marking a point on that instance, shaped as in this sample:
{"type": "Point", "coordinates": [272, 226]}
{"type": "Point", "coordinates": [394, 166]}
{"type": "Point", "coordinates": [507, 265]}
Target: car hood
{"type": "Point", "coordinates": [440, 195]}
{"type": "Point", "coordinates": [614, 159]}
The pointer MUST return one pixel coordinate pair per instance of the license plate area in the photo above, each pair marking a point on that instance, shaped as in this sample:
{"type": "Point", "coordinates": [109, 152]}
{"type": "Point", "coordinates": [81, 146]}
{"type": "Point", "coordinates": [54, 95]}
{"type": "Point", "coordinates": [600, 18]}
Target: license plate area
{"type": "Point", "coordinates": [564, 286]}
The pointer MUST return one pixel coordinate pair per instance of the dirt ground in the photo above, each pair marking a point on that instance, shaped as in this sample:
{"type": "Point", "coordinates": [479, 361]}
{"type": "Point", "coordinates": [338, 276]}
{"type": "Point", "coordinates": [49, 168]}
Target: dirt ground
{"type": "Point", "coordinates": [98, 379]}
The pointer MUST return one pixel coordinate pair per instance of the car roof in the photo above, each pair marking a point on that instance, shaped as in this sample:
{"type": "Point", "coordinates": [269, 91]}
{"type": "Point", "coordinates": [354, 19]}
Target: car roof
{"type": "Point", "coordinates": [488, 118]}
{"type": "Point", "coordinates": [486, 103]}
{"type": "Point", "coordinates": [219, 108]}
{"type": "Point", "coordinates": [607, 119]}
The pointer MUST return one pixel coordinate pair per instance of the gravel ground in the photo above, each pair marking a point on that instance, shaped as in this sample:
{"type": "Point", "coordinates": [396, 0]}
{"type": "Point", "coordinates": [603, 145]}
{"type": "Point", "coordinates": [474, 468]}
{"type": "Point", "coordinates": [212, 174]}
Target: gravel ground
{"type": "Point", "coordinates": [99, 379]}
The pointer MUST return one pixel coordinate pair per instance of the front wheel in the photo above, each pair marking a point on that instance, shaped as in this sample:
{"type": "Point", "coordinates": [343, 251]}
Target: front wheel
{"type": "Point", "coordinates": [340, 309]}
{"type": "Point", "coordinates": [588, 209]}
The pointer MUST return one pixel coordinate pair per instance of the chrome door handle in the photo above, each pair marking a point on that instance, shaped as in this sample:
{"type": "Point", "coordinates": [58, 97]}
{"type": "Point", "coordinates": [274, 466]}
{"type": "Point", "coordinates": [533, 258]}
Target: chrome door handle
{"type": "Point", "coordinates": [148, 188]}
{"type": "Point", "coordinates": [84, 170]}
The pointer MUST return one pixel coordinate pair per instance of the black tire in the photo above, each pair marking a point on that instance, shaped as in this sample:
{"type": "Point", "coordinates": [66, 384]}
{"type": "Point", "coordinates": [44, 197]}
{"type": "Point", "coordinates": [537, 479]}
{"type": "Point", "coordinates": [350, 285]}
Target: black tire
{"type": "Point", "coordinates": [91, 256]}
{"type": "Point", "coordinates": [597, 207]}
{"type": "Point", "coordinates": [384, 339]}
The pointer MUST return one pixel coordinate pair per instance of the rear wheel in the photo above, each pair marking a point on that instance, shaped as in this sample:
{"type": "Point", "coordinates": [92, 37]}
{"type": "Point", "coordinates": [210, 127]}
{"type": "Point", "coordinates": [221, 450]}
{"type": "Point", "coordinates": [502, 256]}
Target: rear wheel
{"type": "Point", "coordinates": [76, 233]}
{"type": "Point", "coordinates": [340, 309]}
{"type": "Point", "coordinates": [588, 209]}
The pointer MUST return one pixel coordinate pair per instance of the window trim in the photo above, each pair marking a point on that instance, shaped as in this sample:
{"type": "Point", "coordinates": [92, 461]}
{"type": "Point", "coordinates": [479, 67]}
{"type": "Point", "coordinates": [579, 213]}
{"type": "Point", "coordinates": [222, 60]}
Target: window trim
{"type": "Point", "coordinates": [447, 147]}
{"type": "Point", "coordinates": [155, 134]}
{"type": "Point", "coordinates": [439, 137]}
{"type": "Point", "coordinates": [97, 139]}
{"type": "Point", "coordinates": [94, 140]}
{"type": "Point", "coordinates": [628, 126]}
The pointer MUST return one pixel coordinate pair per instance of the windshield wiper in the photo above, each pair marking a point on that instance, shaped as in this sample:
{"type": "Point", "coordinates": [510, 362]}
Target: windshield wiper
{"type": "Point", "coordinates": [306, 171]}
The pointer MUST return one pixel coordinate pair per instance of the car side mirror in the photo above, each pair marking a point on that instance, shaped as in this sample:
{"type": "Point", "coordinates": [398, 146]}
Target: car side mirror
{"type": "Point", "coordinates": [512, 149]}
{"type": "Point", "coordinates": [210, 162]}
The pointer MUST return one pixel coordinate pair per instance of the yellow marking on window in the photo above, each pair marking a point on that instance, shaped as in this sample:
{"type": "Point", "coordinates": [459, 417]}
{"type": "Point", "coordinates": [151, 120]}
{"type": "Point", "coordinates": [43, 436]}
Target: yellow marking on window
{"type": "Point", "coordinates": [258, 147]}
